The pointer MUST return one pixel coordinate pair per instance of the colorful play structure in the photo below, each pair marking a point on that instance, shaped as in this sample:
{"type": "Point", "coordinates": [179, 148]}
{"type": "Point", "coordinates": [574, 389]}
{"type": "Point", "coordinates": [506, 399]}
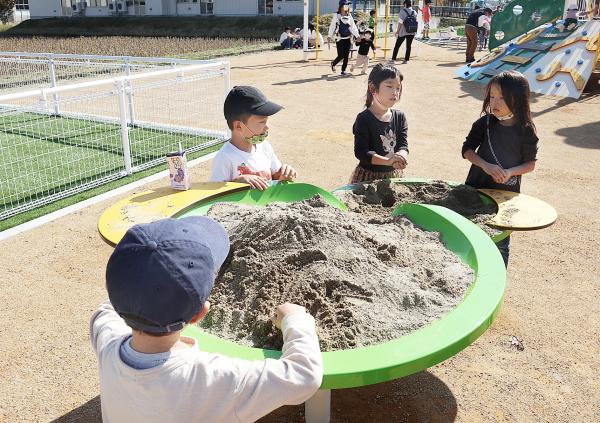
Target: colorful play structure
{"type": "Point", "coordinates": [390, 360]}
{"type": "Point", "coordinates": [529, 36]}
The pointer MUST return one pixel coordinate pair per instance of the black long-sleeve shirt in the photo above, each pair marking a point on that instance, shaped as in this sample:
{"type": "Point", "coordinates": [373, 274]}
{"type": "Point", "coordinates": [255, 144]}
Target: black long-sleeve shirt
{"type": "Point", "coordinates": [372, 136]}
{"type": "Point", "coordinates": [513, 146]}
{"type": "Point", "coordinates": [364, 45]}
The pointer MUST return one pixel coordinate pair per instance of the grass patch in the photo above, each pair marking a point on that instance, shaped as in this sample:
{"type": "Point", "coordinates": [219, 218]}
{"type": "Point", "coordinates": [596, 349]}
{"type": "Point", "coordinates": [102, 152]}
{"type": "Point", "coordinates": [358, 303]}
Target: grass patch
{"type": "Point", "coordinates": [61, 204]}
{"type": "Point", "coordinates": [241, 27]}
{"type": "Point", "coordinates": [42, 155]}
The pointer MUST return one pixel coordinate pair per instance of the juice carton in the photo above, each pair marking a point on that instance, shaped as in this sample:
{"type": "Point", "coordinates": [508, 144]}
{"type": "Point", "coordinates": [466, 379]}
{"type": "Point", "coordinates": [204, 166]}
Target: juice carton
{"type": "Point", "coordinates": [178, 172]}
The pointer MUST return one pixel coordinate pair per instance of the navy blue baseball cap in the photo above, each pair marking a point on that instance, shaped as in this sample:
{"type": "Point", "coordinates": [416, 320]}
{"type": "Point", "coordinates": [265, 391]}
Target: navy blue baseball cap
{"type": "Point", "coordinates": [161, 273]}
{"type": "Point", "coordinates": [245, 99]}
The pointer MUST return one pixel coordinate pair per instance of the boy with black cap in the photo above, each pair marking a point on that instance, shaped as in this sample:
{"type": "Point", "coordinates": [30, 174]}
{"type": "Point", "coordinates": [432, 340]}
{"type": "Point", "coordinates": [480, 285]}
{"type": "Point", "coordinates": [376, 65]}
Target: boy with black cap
{"type": "Point", "coordinates": [248, 157]}
{"type": "Point", "coordinates": [158, 279]}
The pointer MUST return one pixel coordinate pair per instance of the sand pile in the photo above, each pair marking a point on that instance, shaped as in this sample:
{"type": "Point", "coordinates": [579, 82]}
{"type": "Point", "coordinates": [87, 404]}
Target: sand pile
{"type": "Point", "coordinates": [378, 199]}
{"type": "Point", "coordinates": [365, 279]}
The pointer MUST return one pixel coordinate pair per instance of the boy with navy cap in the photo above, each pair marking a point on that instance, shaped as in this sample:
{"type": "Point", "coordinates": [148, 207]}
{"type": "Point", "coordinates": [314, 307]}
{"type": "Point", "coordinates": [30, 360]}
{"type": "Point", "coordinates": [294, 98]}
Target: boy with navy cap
{"type": "Point", "coordinates": [248, 157]}
{"type": "Point", "coordinates": [158, 280]}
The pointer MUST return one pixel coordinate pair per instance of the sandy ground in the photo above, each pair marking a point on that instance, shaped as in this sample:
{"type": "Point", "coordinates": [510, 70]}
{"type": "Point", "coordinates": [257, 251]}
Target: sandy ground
{"type": "Point", "coordinates": [53, 276]}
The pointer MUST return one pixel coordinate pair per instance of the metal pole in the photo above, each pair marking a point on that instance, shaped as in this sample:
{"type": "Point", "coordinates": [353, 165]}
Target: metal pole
{"type": "Point", "coordinates": [226, 87]}
{"type": "Point", "coordinates": [53, 85]}
{"type": "Point", "coordinates": [387, 14]}
{"type": "Point", "coordinates": [317, 30]}
{"type": "Point", "coordinates": [305, 40]}
{"type": "Point", "coordinates": [124, 127]}
{"type": "Point", "coordinates": [376, 29]}
{"type": "Point", "coordinates": [318, 407]}
{"type": "Point", "coordinates": [129, 93]}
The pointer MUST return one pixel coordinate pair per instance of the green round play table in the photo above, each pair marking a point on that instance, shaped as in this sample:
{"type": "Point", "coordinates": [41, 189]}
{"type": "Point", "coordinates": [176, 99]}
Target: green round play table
{"type": "Point", "coordinates": [413, 352]}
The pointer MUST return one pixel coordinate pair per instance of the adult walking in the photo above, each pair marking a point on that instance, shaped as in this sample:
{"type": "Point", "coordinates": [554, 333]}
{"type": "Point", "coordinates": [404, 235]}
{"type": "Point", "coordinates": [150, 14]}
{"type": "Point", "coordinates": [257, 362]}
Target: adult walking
{"type": "Point", "coordinates": [480, 18]}
{"type": "Point", "coordinates": [343, 27]}
{"type": "Point", "coordinates": [407, 28]}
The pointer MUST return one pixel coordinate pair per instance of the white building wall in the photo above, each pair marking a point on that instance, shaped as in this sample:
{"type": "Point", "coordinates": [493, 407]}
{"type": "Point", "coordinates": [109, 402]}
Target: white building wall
{"type": "Point", "coordinates": [45, 8]}
{"type": "Point", "coordinates": [236, 7]}
{"type": "Point", "coordinates": [170, 7]}
{"type": "Point", "coordinates": [154, 7]}
{"type": "Point", "coordinates": [98, 11]}
{"type": "Point", "coordinates": [187, 9]}
{"type": "Point", "coordinates": [20, 15]}
{"type": "Point", "coordinates": [292, 7]}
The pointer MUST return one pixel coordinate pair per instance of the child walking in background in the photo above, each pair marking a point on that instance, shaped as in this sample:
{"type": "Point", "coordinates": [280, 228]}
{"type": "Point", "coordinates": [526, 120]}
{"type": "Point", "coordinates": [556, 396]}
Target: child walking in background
{"type": "Point", "coordinates": [502, 144]}
{"type": "Point", "coordinates": [380, 132]}
{"type": "Point", "coordinates": [426, 11]}
{"type": "Point", "coordinates": [364, 43]}
{"type": "Point", "coordinates": [372, 19]}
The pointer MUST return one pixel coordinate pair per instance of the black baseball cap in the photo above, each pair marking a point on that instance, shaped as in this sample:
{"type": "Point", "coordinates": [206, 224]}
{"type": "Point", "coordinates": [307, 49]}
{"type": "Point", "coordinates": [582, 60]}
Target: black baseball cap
{"type": "Point", "coordinates": [244, 99]}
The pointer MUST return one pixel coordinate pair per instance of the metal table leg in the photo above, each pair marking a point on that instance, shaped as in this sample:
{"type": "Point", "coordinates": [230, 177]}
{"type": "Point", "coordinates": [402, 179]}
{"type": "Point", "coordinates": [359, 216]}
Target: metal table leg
{"type": "Point", "coordinates": [318, 407]}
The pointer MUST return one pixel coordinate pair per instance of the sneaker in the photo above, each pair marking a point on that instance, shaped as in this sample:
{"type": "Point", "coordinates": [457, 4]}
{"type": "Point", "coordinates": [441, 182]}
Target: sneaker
{"type": "Point", "coordinates": [344, 73]}
{"type": "Point", "coordinates": [332, 67]}
{"type": "Point", "coordinates": [405, 61]}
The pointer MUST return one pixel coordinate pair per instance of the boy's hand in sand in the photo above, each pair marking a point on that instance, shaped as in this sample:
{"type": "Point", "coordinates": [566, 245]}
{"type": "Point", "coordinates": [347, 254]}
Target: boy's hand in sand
{"type": "Point", "coordinates": [283, 310]}
{"type": "Point", "coordinates": [285, 173]}
{"type": "Point", "coordinates": [253, 180]}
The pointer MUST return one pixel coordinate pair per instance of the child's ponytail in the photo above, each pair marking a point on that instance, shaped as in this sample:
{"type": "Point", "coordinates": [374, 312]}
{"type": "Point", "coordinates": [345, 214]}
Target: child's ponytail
{"type": "Point", "coordinates": [380, 73]}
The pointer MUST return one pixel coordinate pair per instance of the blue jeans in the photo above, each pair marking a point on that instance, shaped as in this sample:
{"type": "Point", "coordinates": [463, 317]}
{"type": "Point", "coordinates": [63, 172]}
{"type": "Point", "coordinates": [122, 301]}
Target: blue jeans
{"type": "Point", "coordinates": [504, 248]}
{"type": "Point", "coordinates": [288, 43]}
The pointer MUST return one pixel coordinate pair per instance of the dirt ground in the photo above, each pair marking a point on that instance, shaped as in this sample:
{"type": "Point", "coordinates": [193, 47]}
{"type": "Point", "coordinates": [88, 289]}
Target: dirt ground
{"type": "Point", "coordinates": [53, 276]}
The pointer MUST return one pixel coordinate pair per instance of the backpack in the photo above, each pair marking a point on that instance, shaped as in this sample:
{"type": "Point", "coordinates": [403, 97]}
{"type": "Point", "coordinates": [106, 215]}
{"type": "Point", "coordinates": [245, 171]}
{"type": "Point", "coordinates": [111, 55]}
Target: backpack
{"type": "Point", "coordinates": [410, 22]}
{"type": "Point", "coordinates": [343, 28]}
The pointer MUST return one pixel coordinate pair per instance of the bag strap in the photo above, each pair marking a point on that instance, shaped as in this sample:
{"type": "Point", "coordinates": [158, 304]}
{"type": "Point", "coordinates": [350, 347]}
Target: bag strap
{"type": "Point", "coordinates": [513, 179]}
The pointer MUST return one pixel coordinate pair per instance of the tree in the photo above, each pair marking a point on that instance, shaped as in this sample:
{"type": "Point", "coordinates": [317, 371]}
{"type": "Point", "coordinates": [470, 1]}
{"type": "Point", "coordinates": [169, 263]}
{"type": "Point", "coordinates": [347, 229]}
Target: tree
{"type": "Point", "coordinates": [6, 10]}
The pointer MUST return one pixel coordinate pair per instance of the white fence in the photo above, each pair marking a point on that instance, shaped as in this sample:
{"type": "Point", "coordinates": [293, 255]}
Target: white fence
{"type": "Point", "coordinates": [19, 70]}
{"type": "Point", "coordinates": [65, 139]}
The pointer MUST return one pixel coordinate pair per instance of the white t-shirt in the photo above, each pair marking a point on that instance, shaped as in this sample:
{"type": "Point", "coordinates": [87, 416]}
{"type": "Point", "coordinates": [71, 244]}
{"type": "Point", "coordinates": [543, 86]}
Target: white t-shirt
{"type": "Point", "coordinates": [231, 162]}
{"type": "Point", "coordinates": [196, 386]}
{"type": "Point", "coordinates": [284, 36]}
{"type": "Point", "coordinates": [484, 22]}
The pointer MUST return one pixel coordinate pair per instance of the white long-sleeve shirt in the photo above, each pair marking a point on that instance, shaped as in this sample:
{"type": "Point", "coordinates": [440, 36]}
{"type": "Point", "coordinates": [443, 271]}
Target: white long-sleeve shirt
{"type": "Point", "coordinates": [334, 25]}
{"type": "Point", "coordinates": [195, 386]}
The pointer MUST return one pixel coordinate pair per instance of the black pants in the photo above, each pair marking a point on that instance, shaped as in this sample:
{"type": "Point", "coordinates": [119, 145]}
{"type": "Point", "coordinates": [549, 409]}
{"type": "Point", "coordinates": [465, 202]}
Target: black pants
{"type": "Point", "coordinates": [399, 41]}
{"type": "Point", "coordinates": [343, 51]}
{"type": "Point", "coordinates": [504, 248]}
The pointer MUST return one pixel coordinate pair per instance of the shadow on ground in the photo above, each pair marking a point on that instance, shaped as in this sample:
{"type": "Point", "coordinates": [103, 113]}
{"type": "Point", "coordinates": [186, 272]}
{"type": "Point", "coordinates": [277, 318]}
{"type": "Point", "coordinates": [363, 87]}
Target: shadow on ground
{"type": "Point", "coordinates": [421, 397]}
{"type": "Point", "coordinates": [89, 413]}
{"type": "Point", "coordinates": [416, 398]}
{"type": "Point", "coordinates": [584, 136]}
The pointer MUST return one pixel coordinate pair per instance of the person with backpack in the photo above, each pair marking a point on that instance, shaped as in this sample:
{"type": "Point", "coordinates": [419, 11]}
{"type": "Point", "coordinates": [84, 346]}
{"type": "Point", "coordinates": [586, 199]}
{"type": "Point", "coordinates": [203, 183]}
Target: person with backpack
{"type": "Point", "coordinates": [343, 27]}
{"type": "Point", "coordinates": [407, 28]}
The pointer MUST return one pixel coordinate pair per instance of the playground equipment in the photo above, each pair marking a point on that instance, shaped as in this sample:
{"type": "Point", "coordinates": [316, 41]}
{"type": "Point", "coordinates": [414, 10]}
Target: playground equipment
{"type": "Point", "coordinates": [408, 354]}
{"type": "Point", "coordinates": [555, 61]}
{"type": "Point", "coordinates": [156, 204]}
{"type": "Point", "coordinates": [400, 357]}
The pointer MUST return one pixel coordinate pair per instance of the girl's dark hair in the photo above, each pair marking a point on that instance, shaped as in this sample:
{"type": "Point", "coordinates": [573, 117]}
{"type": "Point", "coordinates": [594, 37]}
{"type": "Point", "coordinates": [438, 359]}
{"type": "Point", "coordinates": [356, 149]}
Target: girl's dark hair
{"type": "Point", "coordinates": [311, 27]}
{"type": "Point", "coordinates": [515, 90]}
{"type": "Point", "coordinates": [379, 73]}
